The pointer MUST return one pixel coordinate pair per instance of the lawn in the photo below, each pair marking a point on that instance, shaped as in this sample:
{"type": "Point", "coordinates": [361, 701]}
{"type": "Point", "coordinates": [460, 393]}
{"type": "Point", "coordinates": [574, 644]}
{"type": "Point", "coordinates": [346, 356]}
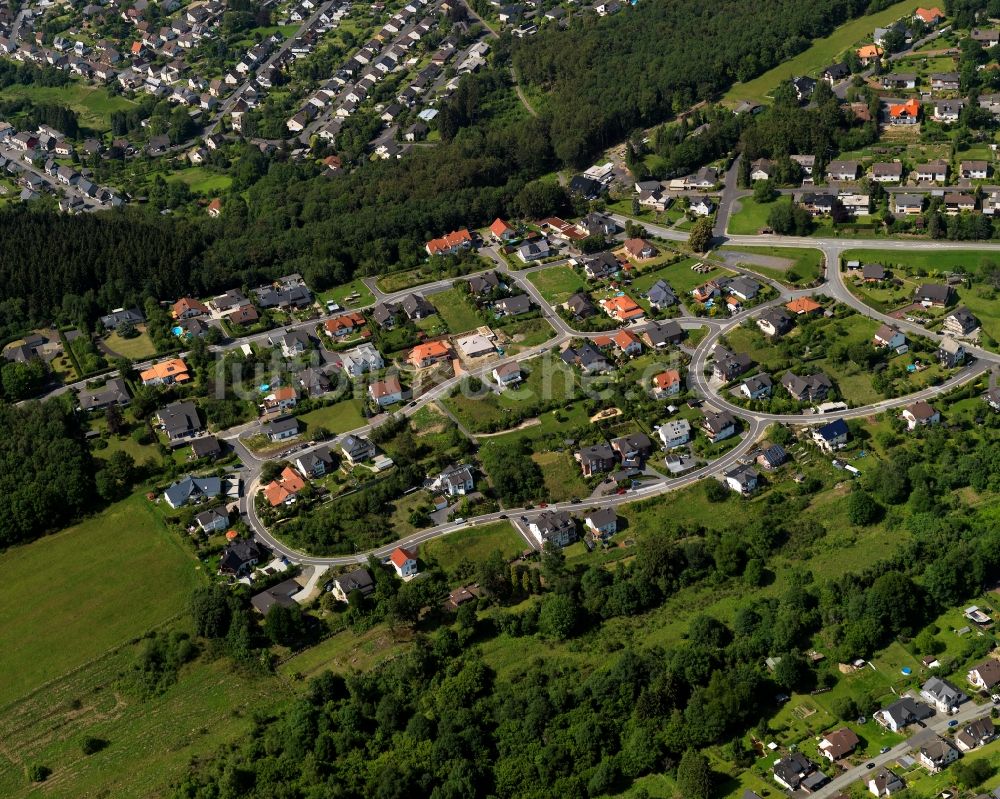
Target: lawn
{"type": "Point", "coordinates": [71, 596]}
{"type": "Point", "coordinates": [151, 742]}
{"type": "Point", "coordinates": [751, 217]}
{"type": "Point", "coordinates": [473, 543]}
{"type": "Point", "coordinates": [337, 418]}
{"type": "Point", "coordinates": [562, 476]}
{"type": "Point", "coordinates": [808, 263]}
{"type": "Point", "coordinates": [821, 53]}
{"type": "Point", "coordinates": [138, 348]}
{"type": "Point", "coordinates": [93, 104]}
{"type": "Point", "coordinates": [201, 180]}
{"type": "Point", "coordinates": [526, 334]}
{"type": "Point", "coordinates": [454, 307]}
{"type": "Point", "coordinates": [346, 652]}
{"type": "Point", "coordinates": [340, 294]}
{"type": "Point", "coordinates": [557, 283]}
{"type": "Point", "coordinates": [680, 276]}
{"type": "Point", "coordinates": [545, 379]}
{"type": "Point", "coordinates": [139, 452]}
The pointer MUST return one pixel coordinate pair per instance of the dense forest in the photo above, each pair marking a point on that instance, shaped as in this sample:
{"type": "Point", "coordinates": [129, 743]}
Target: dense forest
{"type": "Point", "coordinates": [608, 76]}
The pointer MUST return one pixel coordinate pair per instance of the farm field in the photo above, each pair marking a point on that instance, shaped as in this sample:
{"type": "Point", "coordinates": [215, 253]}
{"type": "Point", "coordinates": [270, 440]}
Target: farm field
{"type": "Point", "coordinates": [820, 53]}
{"type": "Point", "coordinates": [79, 582]}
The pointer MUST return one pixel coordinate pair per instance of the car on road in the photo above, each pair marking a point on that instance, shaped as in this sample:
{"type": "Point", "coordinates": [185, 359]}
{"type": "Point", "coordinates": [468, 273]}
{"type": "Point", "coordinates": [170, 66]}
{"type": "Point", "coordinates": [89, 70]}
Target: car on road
{"type": "Point", "coordinates": [869, 765]}
{"type": "Point", "coordinates": [543, 504]}
{"type": "Point", "coordinates": [953, 723]}
{"type": "Point", "coordinates": [883, 750]}
{"type": "Point", "coordinates": [503, 515]}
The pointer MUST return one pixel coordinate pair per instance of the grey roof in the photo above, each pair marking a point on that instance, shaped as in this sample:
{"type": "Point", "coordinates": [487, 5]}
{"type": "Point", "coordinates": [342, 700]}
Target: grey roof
{"type": "Point", "coordinates": [415, 305]}
{"type": "Point", "coordinates": [943, 691]}
{"type": "Point", "coordinates": [353, 445]}
{"type": "Point", "coordinates": [211, 516]}
{"type": "Point", "coordinates": [484, 283]}
{"type": "Point", "coordinates": [515, 305]}
{"type": "Point", "coordinates": [237, 554]}
{"type": "Point", "coordinates": [758, 382]}
{"type": "Point", "coordinates": [549, 522]}
{"type": "Point", "coordinates": [357, 580]}
{"type": "Point", "coordinates": [744, 475]}
{"type": "Point", "coordinates": [280, 426]}
{"type": "Point", "coordinates": [280, 594]}
{"type": "Point", "coordinates": [935, 292]}
{"type": "Point", "coordinates": [597, 454]}
{"type": "Point", "coordinates": [601, 517]}
{"type": "Point", "coordinates": [663, 332]}
{"type": "Point", "coordinates": [203, 446]}
{"type": "Point", "coordinates": [581, 305]}
{"type": "Point", "coordinates": [113, 392]}
{"type": "Point", "coordinates": [115, 318]}
{"type": "Point", "coordinates": [192, 489]}
{"type": "Point", "coordinates": [179, 418]}
{"type": "Point", "coordinates": [717, 422]}
{"type": "Point", "coordinates": [774, 455]}
{"type": "Point", "coordinates": [661, 293]}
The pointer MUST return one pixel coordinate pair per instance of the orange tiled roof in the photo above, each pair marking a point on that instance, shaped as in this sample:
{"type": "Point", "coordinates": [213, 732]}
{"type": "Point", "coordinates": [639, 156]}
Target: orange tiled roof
{"type": "Point", "coordinates": [500, 228]}
{"type": "Point", "coordinates": [870, 51]}
{"type": "Point", "coordinates": [399, 557]}
{"type": "Point", "coordinates": [185, 304]}
{"type": "Point", "coordinates": [175, 368]}
{"type": "Point", "coordinates": [624, 339]}
{"type": "Point", "coordinates": [347, 321]}
{"type": "Point", "coordinates": [449, 240]}
{"type": "Point", "coordinates": [623, 307]}
{"type": "Point", "coordinates": [929, 15]}
{"type": "Point", "coordinates": [668, 378]}
{"type": "Point", "coordinates": [803, 305]}
{"type": "Point", "coordinates": [432, 349]}
{"type": "Point", "coordinates": [910, 108]}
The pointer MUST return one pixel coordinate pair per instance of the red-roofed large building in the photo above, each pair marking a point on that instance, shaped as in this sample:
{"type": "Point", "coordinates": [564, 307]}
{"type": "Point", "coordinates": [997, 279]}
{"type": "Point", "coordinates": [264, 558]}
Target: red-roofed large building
{"type": "Point", "coordinates": [450, 243]}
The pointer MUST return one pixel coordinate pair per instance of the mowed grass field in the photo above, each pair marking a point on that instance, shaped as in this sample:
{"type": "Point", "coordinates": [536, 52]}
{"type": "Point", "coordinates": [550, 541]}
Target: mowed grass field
{"type": "Point", "coordinates": [473, 543]}
{"type": "Point", "coordinates": [820, 54]}
{"type": "Point", "coordinates": [201, 180]}
{"type": "Point", "coordinates": [337, 418]}
{"type": "Point", "coordinates": [808, 263]}
{"type": "Point", "coordinates": [454, 307]}
{"type": "Point", "coordinates": [558, 283]}
{"type": "Point", "coordinates": [72, 596]}
{"type": "Point", "coordinates": [92, 104]}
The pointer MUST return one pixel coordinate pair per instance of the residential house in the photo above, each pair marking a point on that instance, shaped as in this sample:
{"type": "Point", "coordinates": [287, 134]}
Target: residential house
{"type": "Point", "coordinates": [188, 308]}
{"type": "Point", "coordinates": [975, 734]}
{"type": "Point", "coordinates": [937, 294]}
{"type": "Point", "coordinates": [363, 358]}
{"type": "Point", "coordinates": [357, 449]}
{"type": "Point", "coordinates": [987, 37]}
{"type": "Point", "coordinates": [942, 695]}
{"type": "Point", "coordinates": [985, 676]}
{"type": "Point", "coordinates": [842, 170]}
{"type": "Point", "coordinates": [960, 322]}
{"type": "Point", "coordinates": [756, 387]}
{"type": "Point", "coordinates": [285, 488]}
{"type": "Point", "coordinates": [728, 365]}
{"type": "Point", "coordinates": [191, 490]}
{"type": "Point", "coordinates": [957, 202]}
{"type": "Point", "coordinates": [792, 770]}
{"type": "Point", "coordinates": [386, 392]}
{"type": "Point", "coordinates": [513, 306]}
{"type": "Point", "coordinates": [806, 162]}
{"type": "Point", "coordinates": [281, 429]}
{"type": "Point", "coordinates": [945, 81]}
{"type": "Point", "coordinates": [948, 111]}
{"type": "Point", "coordinates": [974, 170]}
{"type": "Point", "coordinates": [507, 374]}
{"type": "Point", "coordinates": [804, 88]}
{"type": "Point", "coordinates": [902, 713]}
{"type": "Point", "coordinates": [660, 335]}
{"type": "Point", "coordinates": [920, 414]}
{"type": "Point", "coordinates": [483, 285]}
{"type": "Point", "coordinates": [838, 744]}
{"type": "Point", "coordinates": [831, 436]}
{"type": "Point", "coordinates": [899, 80]}
{"type": "Point", "coordinates": [936, 171]}
{"type": "Point", "coordinates": [404, 562]}
{"type": "Point", "coordinates": [885, 783]}
{"type": "Point", "coordinates": [869, 54]}
{"type": "Point", "coordinates": [206, 447]}
{"type": "Point", "coordinates": [907, 113]}
{"type": "Point", "coordinates": [929, 16]}
{"type": "Point", "coordinates": [359, 580]}
{"type": "Point", "coordinates": [667, 384]}
{"type": "Point", "coordinates": [165, 373]}
{"type": "Point", "coordinates": [280, 594]}
{"type": "Point", "coordinates": [633, 449]}
{"type": "Point", "coordinates": [813, 388]}
{"type": "Point", "coordinates": [936, 754]}
{"type": "Point", "coordinates": [455, 481]}
{"type": "Point", "coordinates": [282, 398]}
{"type": "Point", "coordinates": [534, 251]}
{"type": "Point", "coordinates": [742, 479]}
{"type": "Point", "coordinates": [761, 169]}
{"type": "Point", "coordinates": [555, 526]}
{"type": "Point", "coordinates": [640, 249]}
{"type": "Point", "coordinates": [888, 336]}
{"type": "Point", "coordinates": [887, 172]}
{"type": "Point", "coordinates": [113, 392]}
{"type": "Point", "coordinates": [428, 354]}
{"type": "Point", "coordinates": [774, 322]}
{"type": "Point", "coordinates": [213, 520]}
{"type": "Point", "coordinates": [873, 273]}
{"type": "Point", "coordinates": [587, 357]}
{"type": "Point", "coordinates": [601, 522]}
{"type": "Point", "coordinates": [772, 457]}
{"type": "Point", "coordinates": [950, 353]}
{"type": "Point", "coordinates": [818, 203]}
{"type": "Point", "coordinates": [674, 433]}
{"type": "Point", "coordinates": [292, 343]}
{"type": "Point", "coordinates": [596, 459]}
{"type": "Point", "coordinates": [661, 296]}
{"type": "Point", "coordinates": [315, 463]}
{"type": "Point", "coordinates": [718, 425]}
{"type": "Point", "coordinates": [501, 231]}
{"type": "Point", "coordinates": [600, 266]}
{"type": "Point", "coordinates": [450, 243]}
{"type": "Point", "coordinates": [122, 316]}
{"type": "Point", "coordinates": [700, 206]}
{"type": "Point", "coordinates": [623, 309]}
{"type": "Point", "coordinates": [344, 325]}
{"type": "Point", "coordinates": [179, 421]}
{"type": "Point", "coordinates": [239, 557]}
{"type": "Point", "coordinates": [907, 204]}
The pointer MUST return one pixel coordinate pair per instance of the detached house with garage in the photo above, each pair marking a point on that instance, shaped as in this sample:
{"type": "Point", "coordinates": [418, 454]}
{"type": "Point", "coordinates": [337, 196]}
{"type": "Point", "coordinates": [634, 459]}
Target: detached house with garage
{"type": "Point", "coordinates": [843, 170]}
{"type": "Point", "coordinates": [888, 336]}
{"type": "Point", "coordinates": [920, 414]}
{"type": "Point", "coordinates": [937, 754]}
{"type": "Point", "coordinates": [985, 676]}
{"type": "Point", "coordinates": [838, 744]}
{"type": "Point", "coordinates": [944, 696]}
{"type": "Point", "coordinates": [555, 526]}
{"type": "Point", "coordinates": [885, 783]}
{"type": "Point", "coordinates": [596, 459]}
{"type": "Point", "coordinates": [832, 436]}
{"type": "Point", "coordinates": [975, 734]}
{"type": "Point", "coordinates": [404, 562]}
